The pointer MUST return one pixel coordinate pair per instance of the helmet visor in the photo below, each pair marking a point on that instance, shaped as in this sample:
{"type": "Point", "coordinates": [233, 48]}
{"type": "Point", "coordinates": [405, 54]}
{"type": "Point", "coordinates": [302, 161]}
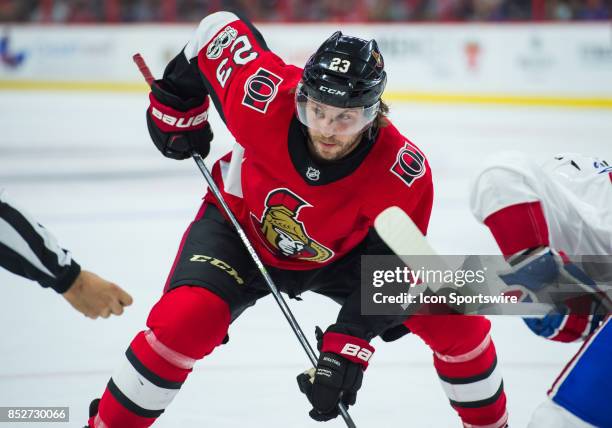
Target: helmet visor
{"type": "Point", "coordinates": [329, 120]}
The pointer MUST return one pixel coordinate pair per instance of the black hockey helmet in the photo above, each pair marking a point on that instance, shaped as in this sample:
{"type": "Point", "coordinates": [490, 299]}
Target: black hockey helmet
{"type": "Point", "coordinates": [345, 72]}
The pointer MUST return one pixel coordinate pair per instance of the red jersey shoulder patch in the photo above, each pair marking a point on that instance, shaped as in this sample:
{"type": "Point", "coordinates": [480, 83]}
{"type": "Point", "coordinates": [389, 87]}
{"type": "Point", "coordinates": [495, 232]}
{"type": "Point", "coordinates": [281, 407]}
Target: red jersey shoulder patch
{"type": "Point", "coordinates": [409, 164]}
{"type": "Point", "coordinates": [260, 89]}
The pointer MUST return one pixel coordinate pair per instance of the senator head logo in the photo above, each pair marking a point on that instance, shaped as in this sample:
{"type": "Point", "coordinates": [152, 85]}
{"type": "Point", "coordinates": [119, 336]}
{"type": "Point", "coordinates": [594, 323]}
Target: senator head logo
{"type": "Point", "coordinates": [282, 232]}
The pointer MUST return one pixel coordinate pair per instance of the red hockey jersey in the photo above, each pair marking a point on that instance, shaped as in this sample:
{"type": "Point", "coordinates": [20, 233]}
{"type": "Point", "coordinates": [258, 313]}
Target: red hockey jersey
{"type": "Point", "coordinates": [297, 212]}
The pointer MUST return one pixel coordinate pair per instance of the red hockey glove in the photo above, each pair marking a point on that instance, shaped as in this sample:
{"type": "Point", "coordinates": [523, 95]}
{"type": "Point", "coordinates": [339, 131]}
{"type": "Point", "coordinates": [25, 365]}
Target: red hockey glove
{"type": "Point", "coordinates": [178, 126]}
{"type": "Point", "coordinates": [339, 371]}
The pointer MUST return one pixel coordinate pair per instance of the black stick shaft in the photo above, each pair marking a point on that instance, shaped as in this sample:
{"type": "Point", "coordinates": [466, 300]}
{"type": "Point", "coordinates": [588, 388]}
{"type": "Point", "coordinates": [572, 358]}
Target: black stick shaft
{"type": "Point", "coordinates": [264, 272]}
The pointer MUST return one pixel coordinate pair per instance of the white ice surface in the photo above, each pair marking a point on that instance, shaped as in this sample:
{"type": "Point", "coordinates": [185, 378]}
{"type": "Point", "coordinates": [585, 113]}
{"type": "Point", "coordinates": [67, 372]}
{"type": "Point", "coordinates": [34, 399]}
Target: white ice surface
{"type": "Point", "coordinates": [84, 166]}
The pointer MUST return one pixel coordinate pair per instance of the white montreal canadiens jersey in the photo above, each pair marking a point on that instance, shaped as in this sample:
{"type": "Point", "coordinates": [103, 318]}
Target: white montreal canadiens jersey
{"type": "Point", "coordinates": [575, 192]}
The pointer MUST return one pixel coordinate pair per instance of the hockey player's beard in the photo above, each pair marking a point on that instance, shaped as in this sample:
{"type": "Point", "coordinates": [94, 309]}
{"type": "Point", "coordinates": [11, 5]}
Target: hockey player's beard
{"type": "Point", "coordinates": [327, 149]}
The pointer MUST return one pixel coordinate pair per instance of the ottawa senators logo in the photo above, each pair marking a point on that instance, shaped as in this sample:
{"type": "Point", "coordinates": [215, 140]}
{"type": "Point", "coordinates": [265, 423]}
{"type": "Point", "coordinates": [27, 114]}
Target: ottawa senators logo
{"type": "Point", "coordinates": [280, 230]}
{"type": "Point", "coordinates": [260, 89]}
{"type": "Point", "coordinates": [409, 164]}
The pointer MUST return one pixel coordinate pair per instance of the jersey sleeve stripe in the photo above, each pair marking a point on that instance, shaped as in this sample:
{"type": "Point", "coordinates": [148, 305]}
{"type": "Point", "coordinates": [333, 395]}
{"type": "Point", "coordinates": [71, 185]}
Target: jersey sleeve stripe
{"type": "Point", "coordinates": [37, 247]}
{"type": "Point", "coordinates": [16, 242]}
{"type": "Point", "coordinates": [37, 236]}
{"type": "Point", "coordinates": [19, 265]}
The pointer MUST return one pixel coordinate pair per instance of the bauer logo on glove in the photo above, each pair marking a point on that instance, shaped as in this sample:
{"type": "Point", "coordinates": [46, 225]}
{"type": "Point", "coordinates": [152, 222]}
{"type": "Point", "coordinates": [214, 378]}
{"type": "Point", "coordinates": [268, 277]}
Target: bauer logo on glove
{"type": "Point", "coordinates": [178, 127]}
{"type": "Point", "coordinates": [182, 122]}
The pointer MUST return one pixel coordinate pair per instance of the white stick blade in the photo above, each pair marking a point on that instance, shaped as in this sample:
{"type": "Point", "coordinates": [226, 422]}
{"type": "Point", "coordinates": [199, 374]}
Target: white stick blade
{"type": "Point", "coordinates": [399, 232]}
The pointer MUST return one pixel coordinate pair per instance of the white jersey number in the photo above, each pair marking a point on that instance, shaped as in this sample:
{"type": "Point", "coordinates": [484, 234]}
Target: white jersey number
{"type": "Point", "coordinates": [339, 64]}
{"type": "Point", "coordinates": [243, 54]}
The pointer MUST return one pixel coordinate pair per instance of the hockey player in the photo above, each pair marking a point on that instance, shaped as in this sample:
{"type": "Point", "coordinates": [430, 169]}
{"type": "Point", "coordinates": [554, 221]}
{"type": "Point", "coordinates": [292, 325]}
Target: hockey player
{"type": "Point", "coordinates": [315, 161]}
{"type": "Point", "coordinates": [536, 213]}
{"type": "Point", "coordinates": [29, 250]}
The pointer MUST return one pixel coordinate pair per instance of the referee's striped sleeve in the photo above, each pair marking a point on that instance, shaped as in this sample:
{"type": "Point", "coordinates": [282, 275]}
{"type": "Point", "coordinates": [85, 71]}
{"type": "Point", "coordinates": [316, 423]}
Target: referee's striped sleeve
{"type": "Point", "coordinates": [29, 250]}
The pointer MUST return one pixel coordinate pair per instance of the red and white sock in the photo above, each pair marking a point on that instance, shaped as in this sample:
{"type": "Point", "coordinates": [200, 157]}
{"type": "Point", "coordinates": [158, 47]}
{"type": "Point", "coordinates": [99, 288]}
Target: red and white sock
{"type": "Point", "coordinates": [184, 326]}
{"type": "Point", "coordinates": [466, 362]}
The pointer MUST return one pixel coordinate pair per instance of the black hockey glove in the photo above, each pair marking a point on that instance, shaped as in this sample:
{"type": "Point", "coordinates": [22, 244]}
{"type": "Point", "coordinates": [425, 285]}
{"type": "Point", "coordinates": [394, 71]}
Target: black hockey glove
{"type": "Point", "coordinates": [339, 372]}
{"type": "Point", "coordinates": [178, 126]}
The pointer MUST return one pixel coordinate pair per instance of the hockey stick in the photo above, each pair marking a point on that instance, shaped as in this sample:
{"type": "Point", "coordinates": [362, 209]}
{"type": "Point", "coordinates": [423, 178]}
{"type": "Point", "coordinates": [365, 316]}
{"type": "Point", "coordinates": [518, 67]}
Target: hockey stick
{"type": "Point", "coordinates": [144, 69]}
{"type": "Point", "coordinates": [405, 239]}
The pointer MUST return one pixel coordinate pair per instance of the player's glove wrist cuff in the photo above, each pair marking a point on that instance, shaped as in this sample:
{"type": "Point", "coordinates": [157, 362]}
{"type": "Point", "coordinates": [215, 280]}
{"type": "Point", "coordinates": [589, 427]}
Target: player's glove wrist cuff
{"type": "Point", "coordinates": [168, 119]}
{"type": "Point", "coordinates": [352, 348]}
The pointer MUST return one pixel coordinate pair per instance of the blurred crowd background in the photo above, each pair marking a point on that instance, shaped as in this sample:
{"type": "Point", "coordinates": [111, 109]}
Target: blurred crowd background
{"type": "Point", "coordinates": [91, 11]}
